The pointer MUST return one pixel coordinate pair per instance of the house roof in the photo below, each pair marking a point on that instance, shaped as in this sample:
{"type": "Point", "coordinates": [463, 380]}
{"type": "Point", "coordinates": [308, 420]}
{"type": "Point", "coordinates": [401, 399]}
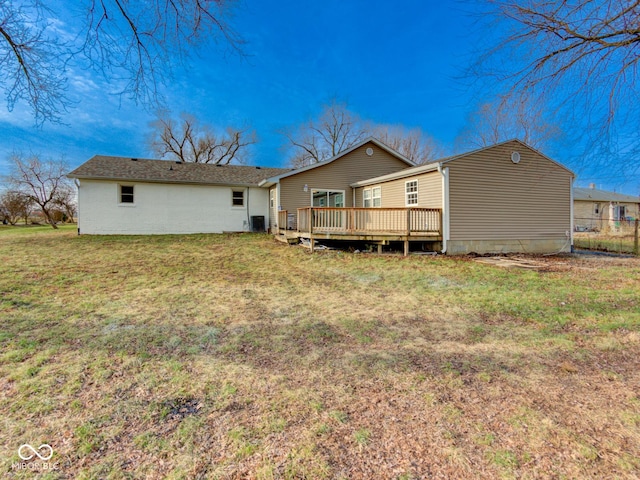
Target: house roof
{"type": "Point", "coordinates": [407, 172]}
{"type": "Point", "coordinates": [274, 179]}
{"type": "Point", "coordinates": [102, 167]}
{"type": "Point", "coordinates": [595, 195]}
{"type": "Point", "coordinates": [433, 165]}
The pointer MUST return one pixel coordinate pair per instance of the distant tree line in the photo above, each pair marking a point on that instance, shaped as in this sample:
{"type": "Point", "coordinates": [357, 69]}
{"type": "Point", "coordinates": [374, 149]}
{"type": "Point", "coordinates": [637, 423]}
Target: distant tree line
{"type": "Point", "coordinates": [37, 185]}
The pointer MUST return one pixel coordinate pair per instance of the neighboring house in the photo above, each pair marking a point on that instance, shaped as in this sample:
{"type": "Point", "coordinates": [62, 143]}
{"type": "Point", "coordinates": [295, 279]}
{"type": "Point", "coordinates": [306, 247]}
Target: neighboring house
{"type": "Point", "coordinates": [119, 195]}
{"type": "Point", "coordinates": [600, 210]}
{"type": "Point", "coordinates": [500, 199]}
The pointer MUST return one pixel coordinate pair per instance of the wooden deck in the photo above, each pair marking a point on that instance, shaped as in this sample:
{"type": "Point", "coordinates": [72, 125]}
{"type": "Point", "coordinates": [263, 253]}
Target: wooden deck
{"type": "Point", "coordinates": [375, 225]}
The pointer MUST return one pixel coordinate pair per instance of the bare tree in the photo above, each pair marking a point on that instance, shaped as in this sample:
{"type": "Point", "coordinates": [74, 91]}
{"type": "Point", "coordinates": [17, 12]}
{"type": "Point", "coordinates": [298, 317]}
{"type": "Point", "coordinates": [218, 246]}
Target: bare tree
{"type": "Point", "coordinates": [413, 144]}
{"type": "Point", "coordinates": [188, 141]}
{"type": "Point", "coordinates": [580, 56]}
{"type": "Point", "coordinates": [135, 42]}
{"type": "Point", "coordinates": [336, 130]}
{"type": "Point", "coordinates": [506, 118]}
{"type": "Point", "coordinates": [66, 201]}
{"type": "Point", "coordinates": [42, 181]}
{"type": "Point", "coordinates": [32, 64]}
{"type": "Point", "coordinates": [14, 205]}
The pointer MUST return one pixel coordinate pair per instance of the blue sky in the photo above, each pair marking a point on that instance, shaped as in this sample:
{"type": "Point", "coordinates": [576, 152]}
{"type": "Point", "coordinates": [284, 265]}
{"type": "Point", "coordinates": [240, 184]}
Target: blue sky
{"type": "Point", "coordinates": [393, 63]}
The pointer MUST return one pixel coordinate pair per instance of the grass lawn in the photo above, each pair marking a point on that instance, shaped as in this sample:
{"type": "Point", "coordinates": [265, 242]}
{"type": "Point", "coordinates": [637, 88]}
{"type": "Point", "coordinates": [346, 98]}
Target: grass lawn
{"type": "Point", "coordinates": [233, 356]}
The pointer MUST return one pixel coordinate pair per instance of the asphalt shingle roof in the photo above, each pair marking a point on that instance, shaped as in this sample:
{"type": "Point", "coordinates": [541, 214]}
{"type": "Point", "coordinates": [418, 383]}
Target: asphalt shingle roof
{"type": "Point", "coordinates": [594, 194]}
{"type": "Point", "coordinates": [102, 167]}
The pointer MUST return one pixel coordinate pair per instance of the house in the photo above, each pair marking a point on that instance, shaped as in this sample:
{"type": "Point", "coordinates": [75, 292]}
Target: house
{"type": "Point", "coordinates": [499, 199]}
{"type": "Point", "coordinates": [328, 183]}
{"type": "Point", "coordinates": [600, 210]}
{"type": "Point", "coordinates": [118, 195]}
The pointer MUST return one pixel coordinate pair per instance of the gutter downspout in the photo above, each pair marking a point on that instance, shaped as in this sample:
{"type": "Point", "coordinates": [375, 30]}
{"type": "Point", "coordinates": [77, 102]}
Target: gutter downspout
{"type": "Point", "coordinates": [77, 184]}
{"type": "Point", "coordinates": [445, 206]}
{"type": "Point", "coordinates": [248, 214]}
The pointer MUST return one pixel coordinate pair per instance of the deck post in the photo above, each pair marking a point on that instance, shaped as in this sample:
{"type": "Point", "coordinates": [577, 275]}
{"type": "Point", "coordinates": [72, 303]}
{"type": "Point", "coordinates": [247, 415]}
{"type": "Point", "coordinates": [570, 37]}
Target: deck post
{"type": "Point", "coordinates": [379, 249]}
{"type": "Point", "coordinates": [312, 242]}
{"type": "Point", "coordinates": [406, 246]}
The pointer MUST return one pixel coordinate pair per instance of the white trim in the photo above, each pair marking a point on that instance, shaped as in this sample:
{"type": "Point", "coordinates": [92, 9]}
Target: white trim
{"type": "Point", "coordinates": [245, 199]}
{"type": "Point", "coordinates": [278, 197]}
{"type": "Point", "coordinates": [373, 197]}
{"type": "Point", "coordinates": [364, 200]}
{"type": "Point", "coordinates": [406, 194]}
{"type": "Point", "coordinates": [119, 193]}
{"type": "Point", "coordinates": [407, 172]}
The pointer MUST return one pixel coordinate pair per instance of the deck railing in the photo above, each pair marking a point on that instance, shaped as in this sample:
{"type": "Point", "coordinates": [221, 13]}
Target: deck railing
{"type": "Point", "coordinates": [283, 217]}
{"type": "Point", "coordinates": [365, 221]}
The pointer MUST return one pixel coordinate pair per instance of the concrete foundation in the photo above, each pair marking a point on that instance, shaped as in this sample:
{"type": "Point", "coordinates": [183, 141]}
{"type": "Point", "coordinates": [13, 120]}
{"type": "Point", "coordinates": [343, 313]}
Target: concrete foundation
{"type": "Point", "coordinates": [537, 246]}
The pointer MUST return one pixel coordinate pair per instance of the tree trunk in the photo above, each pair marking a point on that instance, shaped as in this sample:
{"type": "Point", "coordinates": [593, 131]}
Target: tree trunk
{"type": "Point", "coordinates": [49, 218]}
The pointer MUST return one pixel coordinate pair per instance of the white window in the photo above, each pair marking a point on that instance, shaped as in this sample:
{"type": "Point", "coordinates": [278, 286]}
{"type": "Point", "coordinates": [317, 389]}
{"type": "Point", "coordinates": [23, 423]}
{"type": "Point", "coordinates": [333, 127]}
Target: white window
{"type": "Point", "coordinates": [411, 193]}
{"type": "Point", "coordinates": [366, 198]}
{"type": "Point", "coordinates": [237, 198]}
{"type": "Point", "coordinates": [376, 196]}
{"type": "Point", "coordinates": [126, 193]}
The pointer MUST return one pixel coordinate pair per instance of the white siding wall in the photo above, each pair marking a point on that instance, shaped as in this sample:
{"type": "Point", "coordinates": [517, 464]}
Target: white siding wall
{"type": "Point", "coordinates": [166, 208]}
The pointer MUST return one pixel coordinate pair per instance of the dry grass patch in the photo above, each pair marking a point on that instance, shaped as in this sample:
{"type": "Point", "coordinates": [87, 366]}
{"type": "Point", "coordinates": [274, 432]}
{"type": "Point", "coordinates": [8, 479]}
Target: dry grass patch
{"type": "Point", "coordinates": [231, 356]}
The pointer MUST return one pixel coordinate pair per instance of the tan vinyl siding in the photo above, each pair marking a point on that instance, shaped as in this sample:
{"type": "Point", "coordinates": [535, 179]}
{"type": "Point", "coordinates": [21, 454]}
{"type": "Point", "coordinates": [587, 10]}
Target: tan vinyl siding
{"type": "Point", "coordinates": [490, 197]}
{"type": "Point", "coordinates": [393, 192]}
{"type": "Point", "coordinates": [585, 216]}
{"type": "Point", "coordinates": [338, 175]}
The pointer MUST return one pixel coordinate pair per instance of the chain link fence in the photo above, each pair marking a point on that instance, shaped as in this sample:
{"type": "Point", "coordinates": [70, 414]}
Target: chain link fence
{"type": "Point", "coordinates": [617, 236]}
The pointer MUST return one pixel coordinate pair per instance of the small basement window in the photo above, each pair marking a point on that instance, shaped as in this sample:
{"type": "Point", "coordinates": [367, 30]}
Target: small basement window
{"type": "Point", "coordinates": [237, 198]}
{"type": "Point", "coordinates": [126, 193]}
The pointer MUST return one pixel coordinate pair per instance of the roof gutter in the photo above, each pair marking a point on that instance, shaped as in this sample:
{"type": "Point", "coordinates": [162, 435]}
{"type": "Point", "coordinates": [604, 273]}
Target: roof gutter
{"type": "Point", "coordinates": [445, 206]}
{"type": "Point", "coordinates": [166, 182]}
